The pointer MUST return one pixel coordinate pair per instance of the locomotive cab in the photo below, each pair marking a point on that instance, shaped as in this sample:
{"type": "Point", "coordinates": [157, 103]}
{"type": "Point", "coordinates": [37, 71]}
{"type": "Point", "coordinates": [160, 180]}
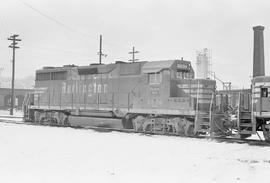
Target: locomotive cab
{"type": "Point", "coordinates": [172, 91]}
{"type": "Point", "coordinates": [160, 88]}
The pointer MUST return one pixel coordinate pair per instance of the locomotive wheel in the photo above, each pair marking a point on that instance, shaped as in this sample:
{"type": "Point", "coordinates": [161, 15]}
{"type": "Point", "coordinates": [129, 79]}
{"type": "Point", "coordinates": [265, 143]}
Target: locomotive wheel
{"type": "Point", "coordinates": [148, 125]}
{"type": "Point", "coordinates": [189, 130]}
{"type": "Point", "coordinates": [66, 122]}
{"type": "Point", "coordinates": [47, 120]}
{"type": "Point", "coordinates": [36, 117]}
{"type": "Point", "coordinates": [266, 132]}
{"type": "Point", "coordinates": [149, 128]}
{"type": "Point", "coordinates": [53, 121]}
{"type": "Point", "coordinates": [221, 126]}
{"type": "Point", "coordinates": [138, 122]}
{"type": "Point", "coordinates": [42, 120]}
{"type": "Point", "coordinates": [127, 122]}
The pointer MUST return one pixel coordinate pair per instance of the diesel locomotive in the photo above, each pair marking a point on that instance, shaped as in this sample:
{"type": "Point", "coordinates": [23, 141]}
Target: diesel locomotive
{"type": "Point", "coordinates": [153, 96]}
{"type": "Point", "coordinates": [160, 97]}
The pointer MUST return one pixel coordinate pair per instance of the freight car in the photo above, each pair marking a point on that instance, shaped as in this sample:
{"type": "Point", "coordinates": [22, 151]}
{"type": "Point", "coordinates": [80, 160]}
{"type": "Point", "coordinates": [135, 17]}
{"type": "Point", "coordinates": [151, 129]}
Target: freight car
{"type": "Point", "coordinates": [253, 109]}
{"type": "Point", "coordinates": [260, 111]}
{"type": "Point", "coordinates": [257, 116]}
{"type": "Point", "coordinates": [157, 97]}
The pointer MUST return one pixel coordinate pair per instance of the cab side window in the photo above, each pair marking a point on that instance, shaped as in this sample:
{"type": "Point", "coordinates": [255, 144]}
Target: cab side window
{"type": "Point", "coordinates": [264, 92]}
{"type": "Point", "coordinates": [183, 75]}
{"type": "Point", "coordinates": [155, 78]}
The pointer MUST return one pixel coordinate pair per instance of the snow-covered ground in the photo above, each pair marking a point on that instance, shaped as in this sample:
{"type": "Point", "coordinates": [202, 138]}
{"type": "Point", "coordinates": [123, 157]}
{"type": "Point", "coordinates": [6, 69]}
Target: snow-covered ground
{"type": "Point", "coordinates": [5, 116]}
{"type": "Point", "coordinates": [35, 154]}
{"type": "Point", "coordinates": [16, 113]}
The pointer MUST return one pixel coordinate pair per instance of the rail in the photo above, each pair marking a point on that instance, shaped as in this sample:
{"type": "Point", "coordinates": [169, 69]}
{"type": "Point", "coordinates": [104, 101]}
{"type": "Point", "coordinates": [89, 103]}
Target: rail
{"type": "Point", "coordinates": [251, 142]}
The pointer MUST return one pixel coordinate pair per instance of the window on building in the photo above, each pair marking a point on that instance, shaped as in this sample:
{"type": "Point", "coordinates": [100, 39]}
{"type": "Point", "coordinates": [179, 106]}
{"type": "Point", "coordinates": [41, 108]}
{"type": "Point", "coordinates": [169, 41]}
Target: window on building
{"type": "Point", "coordinates": [155, 78]}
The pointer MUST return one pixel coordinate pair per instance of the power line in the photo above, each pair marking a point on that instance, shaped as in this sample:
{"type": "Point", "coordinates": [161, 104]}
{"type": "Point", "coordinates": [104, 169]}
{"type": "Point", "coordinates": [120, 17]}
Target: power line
{"type": "Point", "coordinates": [55, 20]}
{"type": "Point", "coordinates": [54, 49]}
{"type": "Point", "coordinates": [69, 28]}
{"type": "Point", "coordinates": [34, 47]}
{"type": "Point", "coordinates": [63, 24]}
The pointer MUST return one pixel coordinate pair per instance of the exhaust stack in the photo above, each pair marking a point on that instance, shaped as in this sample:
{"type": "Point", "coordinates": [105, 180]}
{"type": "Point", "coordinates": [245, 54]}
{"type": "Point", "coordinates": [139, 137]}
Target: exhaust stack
{"type": "Point", "coordinates": [258, 52]}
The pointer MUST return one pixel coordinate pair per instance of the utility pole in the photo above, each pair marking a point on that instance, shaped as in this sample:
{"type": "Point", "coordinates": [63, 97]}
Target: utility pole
{"type": "Point", "coordinates": [133, 52]}
{"type": "Point", "coordinates": [1, 69]}
{"type": "Point", "coordinates": [100, 50]}
{"type": "Point", "coordinates": [14, 42]}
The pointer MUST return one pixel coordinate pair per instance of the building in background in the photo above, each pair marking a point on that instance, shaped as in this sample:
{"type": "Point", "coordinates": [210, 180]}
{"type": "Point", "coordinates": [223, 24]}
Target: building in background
{"type": "Point", "coordinates": [203, 64]}
{"type": "Point", "coordinates": [22, 86]}
{"type": "Point", "coordinates": [5, 97]}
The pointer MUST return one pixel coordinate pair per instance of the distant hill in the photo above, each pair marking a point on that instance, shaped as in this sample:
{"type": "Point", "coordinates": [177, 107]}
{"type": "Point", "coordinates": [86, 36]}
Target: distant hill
{"type": "Point", "coordinates": [23, 83]}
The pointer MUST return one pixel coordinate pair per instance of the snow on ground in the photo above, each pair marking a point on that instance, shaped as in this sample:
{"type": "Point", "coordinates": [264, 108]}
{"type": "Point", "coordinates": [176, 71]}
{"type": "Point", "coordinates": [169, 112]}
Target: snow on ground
{"type": "Point", "coordinates": [42, 154]}
{"type": "Point", "coordinates": [16, 113]}
{"type": "Point", "coordinates": [5, 116]}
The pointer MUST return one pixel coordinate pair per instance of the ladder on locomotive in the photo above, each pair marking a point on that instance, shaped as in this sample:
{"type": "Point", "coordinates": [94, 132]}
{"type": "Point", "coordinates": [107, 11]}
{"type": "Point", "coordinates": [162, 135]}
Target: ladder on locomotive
{"type": "Point", "coordinates": [25, 106]}
{"type": "Point", "coordinates": [244, 118]}
{"type": "Point", "coordinates": [203, 121]}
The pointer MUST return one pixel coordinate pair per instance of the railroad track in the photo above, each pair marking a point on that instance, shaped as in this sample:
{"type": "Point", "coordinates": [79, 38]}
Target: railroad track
{"type": "Point", "coordinates": [251, 142]}
{"type": "Point", "coordinates": [17, 117]}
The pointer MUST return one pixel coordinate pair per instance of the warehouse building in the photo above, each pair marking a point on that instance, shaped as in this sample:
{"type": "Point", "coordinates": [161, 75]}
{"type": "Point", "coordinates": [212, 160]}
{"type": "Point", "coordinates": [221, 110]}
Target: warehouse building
{"type": "Point", "coordinates": [5, 97]}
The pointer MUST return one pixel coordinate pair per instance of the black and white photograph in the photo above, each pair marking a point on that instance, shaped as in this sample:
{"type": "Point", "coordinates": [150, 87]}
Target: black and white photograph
{"type": "Point", "coordinates": [134, 91]}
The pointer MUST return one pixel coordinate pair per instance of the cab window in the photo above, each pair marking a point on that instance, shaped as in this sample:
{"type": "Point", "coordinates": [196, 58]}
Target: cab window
{"type": "Point", "coordinates": [155, 78]}
{"type": "Point", "coordinates": [183, 75]}
{"type": "Point", "coordinates": [264, 92]}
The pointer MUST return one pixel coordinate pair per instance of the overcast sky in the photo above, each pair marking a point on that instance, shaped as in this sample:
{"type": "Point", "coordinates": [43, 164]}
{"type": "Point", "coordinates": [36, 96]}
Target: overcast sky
{"type": "Point", "coordinates": [159, 29]}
